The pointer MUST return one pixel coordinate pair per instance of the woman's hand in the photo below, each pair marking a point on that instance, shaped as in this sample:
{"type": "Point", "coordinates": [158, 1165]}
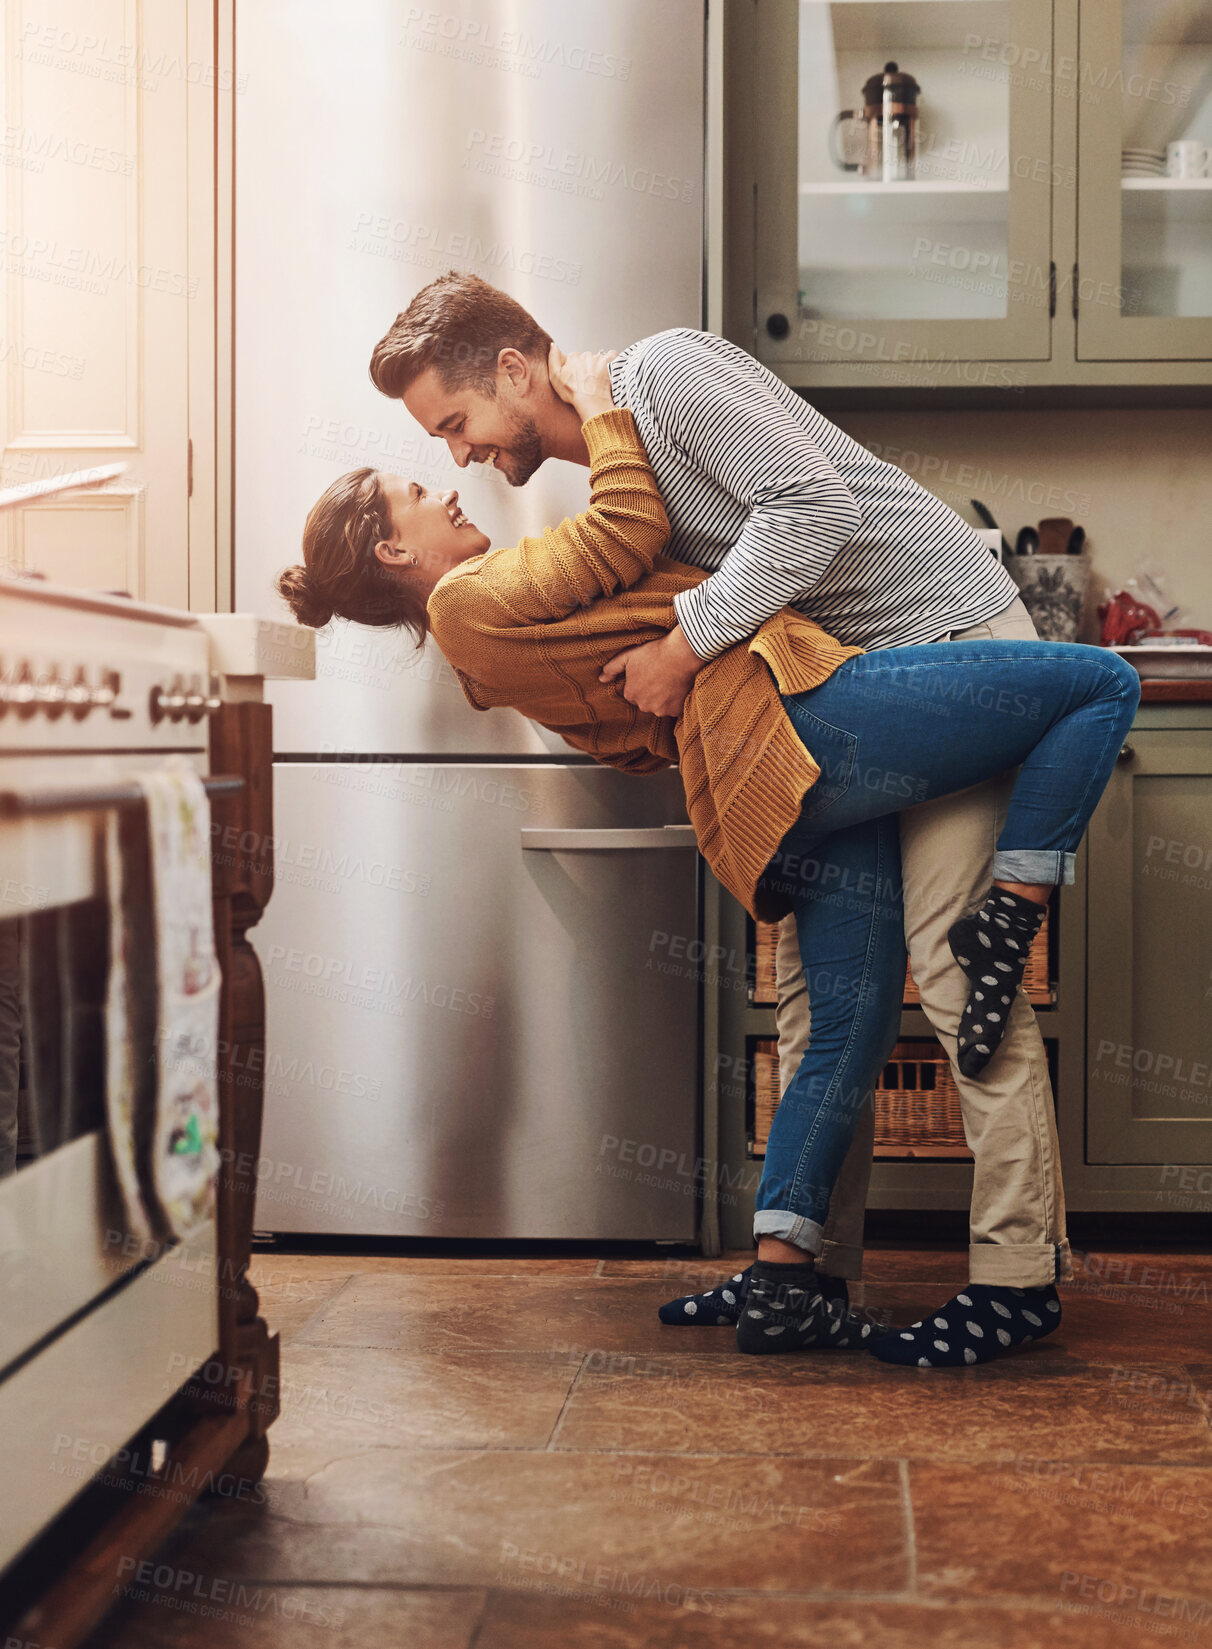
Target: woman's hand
{"type": "Point", "coordinates": [582, 379]}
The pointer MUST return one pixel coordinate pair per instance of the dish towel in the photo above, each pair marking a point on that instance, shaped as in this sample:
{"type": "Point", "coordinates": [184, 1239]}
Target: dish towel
{"type": "Point", "coordinates": [162, 1093]}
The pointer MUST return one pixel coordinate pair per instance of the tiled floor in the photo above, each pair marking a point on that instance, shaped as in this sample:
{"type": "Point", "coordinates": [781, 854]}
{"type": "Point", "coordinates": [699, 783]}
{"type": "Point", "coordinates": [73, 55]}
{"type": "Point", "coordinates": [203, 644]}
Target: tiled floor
{"type": "Point", "coordinates": [516, 1454]}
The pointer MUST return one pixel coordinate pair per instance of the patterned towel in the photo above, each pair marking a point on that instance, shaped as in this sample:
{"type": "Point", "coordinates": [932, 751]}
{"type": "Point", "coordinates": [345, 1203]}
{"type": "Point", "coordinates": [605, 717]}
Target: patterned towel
{"type": "Point", "coordinates": [163, 1007]}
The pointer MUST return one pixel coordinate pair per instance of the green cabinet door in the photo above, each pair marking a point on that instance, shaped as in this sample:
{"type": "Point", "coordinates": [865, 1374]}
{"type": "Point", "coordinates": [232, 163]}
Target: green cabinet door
{"type": "Point", "coordinates": [1149, 929]}
{"type": "Point", "coordinates": [1144, 206]}
{"type": "Point", "coordinates": [903, 172]}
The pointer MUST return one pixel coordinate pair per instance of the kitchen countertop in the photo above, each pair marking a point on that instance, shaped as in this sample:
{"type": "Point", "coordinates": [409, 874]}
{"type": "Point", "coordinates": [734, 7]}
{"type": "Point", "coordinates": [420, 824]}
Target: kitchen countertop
{"type": "Point", "coordinates": [1157, 691]}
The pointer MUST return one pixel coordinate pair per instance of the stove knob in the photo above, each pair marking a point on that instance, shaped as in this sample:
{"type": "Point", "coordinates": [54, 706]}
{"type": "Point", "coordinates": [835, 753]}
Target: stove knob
{"type": "Point", "coordinates": [195, 700]}
{"type": "Point", "coordinates": [23, 693]}
{"type": "Point", "coordinates": [51, 694]}
{"type": "Point", "coordinates": [168, 702]}
{"type": "Point", "coordinates": [79, 695]}
{"type": "Point", "coordinates": [214, 702]}
{"type": "Point", "coordinates": [106, 692]}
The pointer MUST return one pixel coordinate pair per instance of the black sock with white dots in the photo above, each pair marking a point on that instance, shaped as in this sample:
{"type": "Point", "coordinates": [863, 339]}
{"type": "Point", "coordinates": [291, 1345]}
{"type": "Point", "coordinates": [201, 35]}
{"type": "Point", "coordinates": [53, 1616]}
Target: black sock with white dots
{"type": "Point", "coordinates": [976, 1326]}
{"type": "Point", "coordinates": [785, 1310]}
{"type": "Point", "coordinates": [992, 946]}
{"type": "Point", "coordinates": [723, 1304]}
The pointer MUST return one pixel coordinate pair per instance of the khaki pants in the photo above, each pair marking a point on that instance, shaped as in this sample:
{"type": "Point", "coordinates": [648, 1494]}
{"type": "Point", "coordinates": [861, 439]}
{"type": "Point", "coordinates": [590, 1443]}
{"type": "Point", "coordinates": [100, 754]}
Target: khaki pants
{"type": "Point", "coordinates": [1018, 1204]}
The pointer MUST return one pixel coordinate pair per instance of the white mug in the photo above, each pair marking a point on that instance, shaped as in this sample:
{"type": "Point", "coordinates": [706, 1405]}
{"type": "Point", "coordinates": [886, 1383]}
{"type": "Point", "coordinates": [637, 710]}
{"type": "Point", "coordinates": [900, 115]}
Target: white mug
{"type": "Point", "coordinates": [1187, 158]}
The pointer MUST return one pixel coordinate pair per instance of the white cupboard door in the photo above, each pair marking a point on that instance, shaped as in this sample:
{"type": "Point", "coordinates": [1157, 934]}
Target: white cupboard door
{"type": "Point", "coordinates": [97, 287]}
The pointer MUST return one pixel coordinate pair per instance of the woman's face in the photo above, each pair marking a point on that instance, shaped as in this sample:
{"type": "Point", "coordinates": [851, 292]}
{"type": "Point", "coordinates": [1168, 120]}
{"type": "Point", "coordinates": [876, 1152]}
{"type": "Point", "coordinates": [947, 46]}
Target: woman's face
{"type": "Point", "coordinates": [430, 526]}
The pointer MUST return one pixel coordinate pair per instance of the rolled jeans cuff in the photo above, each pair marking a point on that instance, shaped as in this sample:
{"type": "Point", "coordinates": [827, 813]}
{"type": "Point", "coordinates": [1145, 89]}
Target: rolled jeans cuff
{"type": "Point", "coordinates": [788, 1227]}
{"type": "Point", "coordinates": [1020, 1264]}
{"type": "Point", "coordinates": [1033, 865]}
{"type": "Point", "coordinates": [840, 1259]}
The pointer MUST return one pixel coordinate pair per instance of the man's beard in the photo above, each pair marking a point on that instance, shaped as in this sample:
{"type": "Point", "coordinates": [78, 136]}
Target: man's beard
{"type": "Point", "coordinates": [525, 452]}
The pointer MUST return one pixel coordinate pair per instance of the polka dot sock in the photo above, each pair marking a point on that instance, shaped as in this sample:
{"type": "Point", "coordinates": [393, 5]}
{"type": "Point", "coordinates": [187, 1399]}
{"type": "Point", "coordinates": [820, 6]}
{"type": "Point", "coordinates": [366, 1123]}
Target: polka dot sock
{"type": "Point", "coordinates": [785, 1310]}
{"type": "Point", "coordinates": [723, 1304]}
{"type": "Point", "coordinates": [975, 1327]}
{"type": "Point", "coordinates": [992, 946]}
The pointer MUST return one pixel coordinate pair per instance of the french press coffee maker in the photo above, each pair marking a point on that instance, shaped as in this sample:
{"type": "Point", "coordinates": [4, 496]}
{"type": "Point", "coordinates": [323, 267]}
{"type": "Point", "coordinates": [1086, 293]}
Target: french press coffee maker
{"type": "Point", "coordinates": [889, 113]}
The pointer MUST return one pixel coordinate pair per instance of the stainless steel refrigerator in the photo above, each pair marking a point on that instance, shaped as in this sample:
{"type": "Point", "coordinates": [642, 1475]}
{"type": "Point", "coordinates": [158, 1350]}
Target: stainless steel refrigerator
{"type": "Point", "coordinates": [482, 1001]}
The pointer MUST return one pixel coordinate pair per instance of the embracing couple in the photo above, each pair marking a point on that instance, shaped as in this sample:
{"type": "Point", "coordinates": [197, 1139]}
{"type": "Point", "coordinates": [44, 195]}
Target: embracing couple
{"type": "Point", "coordinates": [812, 638]}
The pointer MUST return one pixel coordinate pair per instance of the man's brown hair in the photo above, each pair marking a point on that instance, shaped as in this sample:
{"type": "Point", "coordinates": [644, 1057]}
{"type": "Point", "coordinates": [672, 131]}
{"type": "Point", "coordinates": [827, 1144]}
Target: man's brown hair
{"type": "Point", "coordinates": [459, 325]}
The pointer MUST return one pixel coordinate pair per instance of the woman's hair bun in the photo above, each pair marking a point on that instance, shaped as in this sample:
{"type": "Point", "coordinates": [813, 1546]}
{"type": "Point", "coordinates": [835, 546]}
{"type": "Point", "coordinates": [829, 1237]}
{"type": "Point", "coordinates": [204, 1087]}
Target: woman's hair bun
{"type": "Point", "coordinates": [297, 588]}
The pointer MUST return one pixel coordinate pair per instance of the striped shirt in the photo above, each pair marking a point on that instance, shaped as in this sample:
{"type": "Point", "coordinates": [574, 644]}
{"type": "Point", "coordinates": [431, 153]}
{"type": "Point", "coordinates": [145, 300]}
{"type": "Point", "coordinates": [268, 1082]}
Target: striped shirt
{"type": "Point", "coordinates": [785, 509]}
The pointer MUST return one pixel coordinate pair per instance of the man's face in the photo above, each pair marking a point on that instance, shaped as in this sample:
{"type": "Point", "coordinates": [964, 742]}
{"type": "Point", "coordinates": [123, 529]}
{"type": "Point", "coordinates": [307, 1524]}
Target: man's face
{"type": "Point", "coordinates": [499, 429]}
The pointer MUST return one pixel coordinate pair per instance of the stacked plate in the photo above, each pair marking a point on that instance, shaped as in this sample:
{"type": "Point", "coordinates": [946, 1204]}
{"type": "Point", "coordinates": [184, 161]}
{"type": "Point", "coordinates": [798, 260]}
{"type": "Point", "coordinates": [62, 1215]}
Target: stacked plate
{"type": "Point", "coordinates": [1143, 162]}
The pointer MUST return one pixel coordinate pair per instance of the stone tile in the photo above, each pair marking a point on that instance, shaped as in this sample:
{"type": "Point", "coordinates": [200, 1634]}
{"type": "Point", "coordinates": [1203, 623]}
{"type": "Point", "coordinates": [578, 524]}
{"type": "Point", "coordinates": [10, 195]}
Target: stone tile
{"type": "Point", "coordinates": [684, 1276]}
{"type": "Point", "coordinates": [807, 1403]}
{"type": "Point", "coordinates": [436, 1437]}
{"type": "Point", "coordinates": [212, 1612]}
{"type": "Point", "coordinates": [336, 1404]}
{"type": "Point", "coordinates": [1134, 1325]}
{"type": "Point", "coordinates": [880, 1264]}
{"type": "Point", "coordinates": [471, 1519]}
{"type": "Point", "coordinates": [267, 1539]}
{"type": "Point", "coordinates": [608, 1619]}
{"type": "Point", "coordinates": [271, 1263]}
{"type": "Point", "coordinates": [290, 1300]}
{"type": "Point", "coordinates": [1040, 1526]}
{"type": "Point", "coordinates": [945, 1266]}
{"type": "Point", "coordinates": [1175, 1269]}
{"type": "Point", "coordinates": [547, 1314]}
{"type": "Point", "coordinates": [1144, 1391]}
{"type": "Point", "coordinates": [1147, 1285]}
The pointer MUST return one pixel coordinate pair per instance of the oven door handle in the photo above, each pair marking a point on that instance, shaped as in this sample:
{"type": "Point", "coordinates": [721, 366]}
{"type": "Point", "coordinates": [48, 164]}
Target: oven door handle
{"type": "Point", "coordinates": [90, 798]}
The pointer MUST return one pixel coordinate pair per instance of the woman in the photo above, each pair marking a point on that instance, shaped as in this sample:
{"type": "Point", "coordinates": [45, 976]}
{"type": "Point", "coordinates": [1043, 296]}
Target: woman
{"type": "Point", "coordinates": [795, 754]}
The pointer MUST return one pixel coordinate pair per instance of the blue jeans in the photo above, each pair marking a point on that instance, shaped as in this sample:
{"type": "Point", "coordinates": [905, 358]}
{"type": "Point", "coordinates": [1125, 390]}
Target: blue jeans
{"type": "Point", "coordinates": [890, 729]}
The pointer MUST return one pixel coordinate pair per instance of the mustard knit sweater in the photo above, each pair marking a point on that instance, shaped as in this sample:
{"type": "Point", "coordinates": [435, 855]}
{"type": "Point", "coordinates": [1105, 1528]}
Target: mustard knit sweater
{"type": "Point", "coordinates": [531, 627]}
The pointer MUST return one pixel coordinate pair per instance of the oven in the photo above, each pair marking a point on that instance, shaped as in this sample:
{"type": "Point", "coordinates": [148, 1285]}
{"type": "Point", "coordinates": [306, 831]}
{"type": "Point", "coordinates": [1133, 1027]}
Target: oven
{"type": "Point", "coordinates": [97, 1330]}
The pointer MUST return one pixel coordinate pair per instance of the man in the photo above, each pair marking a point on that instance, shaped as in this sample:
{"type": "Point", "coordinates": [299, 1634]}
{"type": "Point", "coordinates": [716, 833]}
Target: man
{"type": "Point", "coordinates": [783, 508]}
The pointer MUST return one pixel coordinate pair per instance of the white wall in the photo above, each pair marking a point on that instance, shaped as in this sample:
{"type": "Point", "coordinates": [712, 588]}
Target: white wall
{"type": "Point", "coordinates": [1139, 481]}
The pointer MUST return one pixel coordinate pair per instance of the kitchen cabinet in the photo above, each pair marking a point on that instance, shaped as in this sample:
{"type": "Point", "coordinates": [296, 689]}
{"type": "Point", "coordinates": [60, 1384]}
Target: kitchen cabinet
{"type": "Point", "coordinates": [1012, 261]}
{"type": "Point", "coordinates": [1126, 1017]}
{"type": "Point", "coordinates": [1144, 241]}
{"type": "Point", "coordinates": [1149, 1010]}
{"type": "Point", "coordinates": [950, 264]}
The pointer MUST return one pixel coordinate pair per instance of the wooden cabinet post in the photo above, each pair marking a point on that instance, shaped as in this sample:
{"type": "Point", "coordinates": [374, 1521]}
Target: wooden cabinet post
{"type": "Point", "coordinates": [242, 855]}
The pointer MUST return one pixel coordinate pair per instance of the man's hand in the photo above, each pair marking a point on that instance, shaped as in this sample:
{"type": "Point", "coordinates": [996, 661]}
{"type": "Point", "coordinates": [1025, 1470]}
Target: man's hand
{"type": "Point", "coordinates": [657, 676]}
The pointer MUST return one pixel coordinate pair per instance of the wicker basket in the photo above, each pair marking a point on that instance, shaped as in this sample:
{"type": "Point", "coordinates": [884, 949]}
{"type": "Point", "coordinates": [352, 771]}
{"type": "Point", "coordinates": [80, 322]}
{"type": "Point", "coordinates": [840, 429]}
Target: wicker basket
{"type": "Point", "coordinates": [765, 982]}
{"type": "Point", "coordinates": [1036, 982]}
{"type": "Point", "coordinates": [765, 1090]}
{"type": "Point", "coordinates": [917, 1103]}
{"type": "Point", "coordinates": [916, 1100]}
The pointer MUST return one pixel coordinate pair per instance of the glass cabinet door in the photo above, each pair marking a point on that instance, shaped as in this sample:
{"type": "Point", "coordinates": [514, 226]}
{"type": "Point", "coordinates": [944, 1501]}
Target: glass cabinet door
{"type": "Point", "coordinates": [1144, 86]}
{"type": "Point", "coordinates": [903, 153]}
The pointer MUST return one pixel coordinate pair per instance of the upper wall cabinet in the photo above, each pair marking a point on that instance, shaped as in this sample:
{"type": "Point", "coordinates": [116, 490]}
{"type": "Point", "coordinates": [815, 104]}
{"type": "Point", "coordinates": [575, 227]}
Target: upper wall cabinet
{"type": "Point", "coordinates": [903, 192]}
{"type": "Point", "coordinates": [971, 194]}
{"type": "Point", "coordinates": [1145, 197]}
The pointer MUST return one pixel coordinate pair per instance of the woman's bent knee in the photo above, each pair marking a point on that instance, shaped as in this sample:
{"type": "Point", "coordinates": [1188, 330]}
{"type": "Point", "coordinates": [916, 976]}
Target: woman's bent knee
{"type": "Point", "coordinates": [1127, 679]}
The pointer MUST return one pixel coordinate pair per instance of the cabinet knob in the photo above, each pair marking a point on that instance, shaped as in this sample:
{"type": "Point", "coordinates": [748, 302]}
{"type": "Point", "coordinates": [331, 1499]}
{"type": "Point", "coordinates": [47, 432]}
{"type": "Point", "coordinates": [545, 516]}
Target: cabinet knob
{"type": "Point", "coordinates": [1126, 753]}
{"type": "Point", "coordinates": [778, 325]}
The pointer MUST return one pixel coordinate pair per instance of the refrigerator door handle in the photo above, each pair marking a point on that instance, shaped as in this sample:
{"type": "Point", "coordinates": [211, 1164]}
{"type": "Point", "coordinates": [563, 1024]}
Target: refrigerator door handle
{"type": "Point", "coordinates": [597, 841]}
